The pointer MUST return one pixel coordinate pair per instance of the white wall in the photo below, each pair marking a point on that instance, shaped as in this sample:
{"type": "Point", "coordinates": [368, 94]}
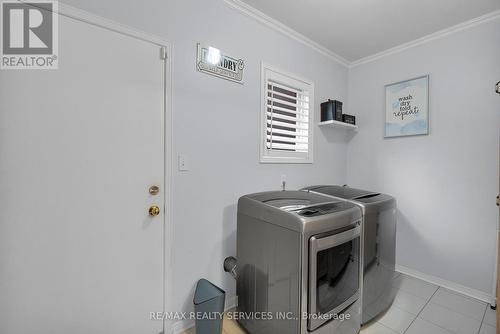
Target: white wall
{"type": "Point", "coordinates": [223, 158]}
{"type": "Point", "coordinates": [445, 183]}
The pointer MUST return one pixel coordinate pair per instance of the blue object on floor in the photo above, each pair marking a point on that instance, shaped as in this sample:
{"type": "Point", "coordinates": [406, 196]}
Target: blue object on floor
{"type": "Point", "coordinates": [209, 307]}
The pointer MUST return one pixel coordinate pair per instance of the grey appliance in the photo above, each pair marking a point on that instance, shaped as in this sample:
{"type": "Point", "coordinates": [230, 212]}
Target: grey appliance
{"type": "Point", "coordinates": [299, 264]}
{"type": "Point", "coordinates": [379, 245]}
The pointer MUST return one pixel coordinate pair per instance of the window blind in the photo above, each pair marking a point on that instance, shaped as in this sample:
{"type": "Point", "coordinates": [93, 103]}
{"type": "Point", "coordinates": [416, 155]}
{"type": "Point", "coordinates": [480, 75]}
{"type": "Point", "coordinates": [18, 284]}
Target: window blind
{"type": "Point", "coordinates": [287, 118]}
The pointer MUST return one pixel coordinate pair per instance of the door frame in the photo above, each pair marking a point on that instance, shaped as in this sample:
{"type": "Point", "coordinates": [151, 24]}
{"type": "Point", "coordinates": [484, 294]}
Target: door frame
{"type": "Point", "coordinates": [99, 21]}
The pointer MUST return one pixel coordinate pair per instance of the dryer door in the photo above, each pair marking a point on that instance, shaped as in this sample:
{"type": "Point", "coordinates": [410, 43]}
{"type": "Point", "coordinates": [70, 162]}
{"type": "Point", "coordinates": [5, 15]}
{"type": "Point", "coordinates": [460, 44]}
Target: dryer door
{"type": "Point", "coordinates": [334, 275]}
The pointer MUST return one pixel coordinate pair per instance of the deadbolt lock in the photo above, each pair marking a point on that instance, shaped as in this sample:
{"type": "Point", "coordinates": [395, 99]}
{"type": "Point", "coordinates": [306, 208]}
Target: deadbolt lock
{"type": "Point", "coordinates": [154, 210]}
{"type": "Point", "coordinates": [154, 190]}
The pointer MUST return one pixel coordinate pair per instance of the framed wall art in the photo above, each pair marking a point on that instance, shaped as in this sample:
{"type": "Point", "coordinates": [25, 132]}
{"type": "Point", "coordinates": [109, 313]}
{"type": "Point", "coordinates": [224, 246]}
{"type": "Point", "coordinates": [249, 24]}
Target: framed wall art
{"type": "Point", "coordinates": [407, 108]}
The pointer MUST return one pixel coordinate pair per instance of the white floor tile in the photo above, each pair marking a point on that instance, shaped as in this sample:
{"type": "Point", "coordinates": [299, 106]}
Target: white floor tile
{"type": "Point", "coordinates": [376, 328]}
{"type": "Point", "coordinates": [415, 286]}
{"type": "Point", "coordinates": [459, 303]}
{"type": "Point", "coordinates": [448, 319]}
{"type": "Point", "coordinates": [420, 326]}
{"type": "Point", "coordinates": [487, 329]}
{"type": "Point", "coordinates": [408, 302]}
{"type": "Point", "coordinates": [490, 317]}
{"type": "Point", "coordinates": [397, 319]}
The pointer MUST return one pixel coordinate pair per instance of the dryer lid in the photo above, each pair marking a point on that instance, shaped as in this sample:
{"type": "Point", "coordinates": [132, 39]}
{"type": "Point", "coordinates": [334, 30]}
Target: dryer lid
{"type": "Point", "coordinates": [342, 191]}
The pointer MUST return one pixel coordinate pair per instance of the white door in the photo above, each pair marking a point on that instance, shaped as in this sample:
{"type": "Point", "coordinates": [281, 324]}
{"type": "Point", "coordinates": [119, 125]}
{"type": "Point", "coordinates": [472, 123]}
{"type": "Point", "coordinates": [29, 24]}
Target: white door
{"type": "Point", "coordinates": [79, 148]}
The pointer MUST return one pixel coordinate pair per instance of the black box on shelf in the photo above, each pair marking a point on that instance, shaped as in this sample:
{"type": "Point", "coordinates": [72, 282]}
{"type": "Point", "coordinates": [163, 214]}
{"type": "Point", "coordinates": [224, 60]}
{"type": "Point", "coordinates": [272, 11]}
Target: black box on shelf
{"type": "Point", "coordinates": [350, 119]}
{"type": "Point", "coordinates": [331, 110]}
{"type": "Point", "coordinates": [327, 111]}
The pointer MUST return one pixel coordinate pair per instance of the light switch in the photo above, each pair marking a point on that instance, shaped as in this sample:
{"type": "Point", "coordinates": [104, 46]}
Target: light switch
{"type": "Point", "coordinates": [183, 163]}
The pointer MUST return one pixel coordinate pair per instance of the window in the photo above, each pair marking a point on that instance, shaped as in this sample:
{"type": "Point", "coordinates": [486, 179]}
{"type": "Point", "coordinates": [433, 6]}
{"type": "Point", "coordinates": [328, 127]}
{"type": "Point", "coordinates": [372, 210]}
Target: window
{"type": "Point", "coordinates": [287, 118]}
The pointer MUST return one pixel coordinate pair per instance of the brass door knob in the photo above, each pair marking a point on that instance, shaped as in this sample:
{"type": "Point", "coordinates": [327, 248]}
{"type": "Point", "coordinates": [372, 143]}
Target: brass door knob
{"type": "Point", "coordinates": [154, 190]}
{"type": "Point", "coordinates": [154, 210]}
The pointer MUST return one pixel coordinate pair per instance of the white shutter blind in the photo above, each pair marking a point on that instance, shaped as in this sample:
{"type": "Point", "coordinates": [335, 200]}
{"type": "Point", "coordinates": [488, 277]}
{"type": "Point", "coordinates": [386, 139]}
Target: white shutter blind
{"type": "Point", "coordinates": [287, 114]}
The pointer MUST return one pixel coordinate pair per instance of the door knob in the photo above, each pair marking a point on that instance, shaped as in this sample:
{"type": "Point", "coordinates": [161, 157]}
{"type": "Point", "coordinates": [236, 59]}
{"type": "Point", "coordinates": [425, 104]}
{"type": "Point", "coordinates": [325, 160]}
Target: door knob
{"type": "Point", "coordinates": [154, 210]}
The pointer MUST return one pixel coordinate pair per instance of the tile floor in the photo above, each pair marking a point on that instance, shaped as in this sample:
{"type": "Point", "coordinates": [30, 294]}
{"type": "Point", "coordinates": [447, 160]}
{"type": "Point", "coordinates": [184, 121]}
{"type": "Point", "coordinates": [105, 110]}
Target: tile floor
{"type": "Point", "coordinates": [422, 308]}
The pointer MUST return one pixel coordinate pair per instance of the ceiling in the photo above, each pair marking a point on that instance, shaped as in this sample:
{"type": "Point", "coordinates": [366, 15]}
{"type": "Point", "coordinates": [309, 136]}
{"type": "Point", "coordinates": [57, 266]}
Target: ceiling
{"type": "Point", "coordinates": [354, 29]}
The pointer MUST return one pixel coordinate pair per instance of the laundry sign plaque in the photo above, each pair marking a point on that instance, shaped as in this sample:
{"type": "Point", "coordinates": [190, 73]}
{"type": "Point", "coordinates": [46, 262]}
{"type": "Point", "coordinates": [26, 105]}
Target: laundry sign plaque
{"type": "Point", "coordinates": [212, 61]}
{"type": "Point", "coordinates": [407, 108]}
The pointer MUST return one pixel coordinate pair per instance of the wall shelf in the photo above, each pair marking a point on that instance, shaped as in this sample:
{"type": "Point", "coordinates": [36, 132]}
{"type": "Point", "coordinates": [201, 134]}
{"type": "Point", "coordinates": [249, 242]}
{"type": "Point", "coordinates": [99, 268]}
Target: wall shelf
{"type": "Point", "coordinates": [337, 124]}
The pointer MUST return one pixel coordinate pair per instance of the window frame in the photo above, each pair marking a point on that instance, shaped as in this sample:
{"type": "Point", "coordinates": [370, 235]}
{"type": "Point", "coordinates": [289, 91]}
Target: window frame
{"type": "Point", "coordinates": [287, 79]}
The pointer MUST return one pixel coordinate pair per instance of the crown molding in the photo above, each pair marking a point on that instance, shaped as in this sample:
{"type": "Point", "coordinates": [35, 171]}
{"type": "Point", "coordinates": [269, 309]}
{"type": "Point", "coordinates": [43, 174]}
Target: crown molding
{"type": "Point", "coordinates": [259, 16]}
{"type": "Point", "coordinates": [284, 29]}
{"type": "Point", "coordinates": [429, 38]}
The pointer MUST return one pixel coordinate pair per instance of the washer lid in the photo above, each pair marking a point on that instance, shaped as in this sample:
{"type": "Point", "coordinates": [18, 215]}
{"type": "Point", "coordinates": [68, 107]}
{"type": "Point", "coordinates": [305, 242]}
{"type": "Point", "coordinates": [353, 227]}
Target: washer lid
{"type": "Point", "coordinates": [291, 200]}
{"type": "Point", "coordinates": [342, 191]}
{"type": "Point", "coordinates": [291, 204]}
{"type": "Point", "coordinates": [299, 210]}
{"type": "Point", "coordinates": [302, 203]}
{"type": "Point", "coordinates": [321, 209]}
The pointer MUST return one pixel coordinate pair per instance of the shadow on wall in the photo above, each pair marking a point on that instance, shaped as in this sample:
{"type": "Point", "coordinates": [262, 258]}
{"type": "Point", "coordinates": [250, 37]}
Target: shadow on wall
{"type": "Point", "coordinates": [337, 136]}
{"type": "Point", "coordinates": [218, 252]}
{"type": "Point", "coordinates": [404, 224]}
{"type": "Point", "coordinates": [229, 218]}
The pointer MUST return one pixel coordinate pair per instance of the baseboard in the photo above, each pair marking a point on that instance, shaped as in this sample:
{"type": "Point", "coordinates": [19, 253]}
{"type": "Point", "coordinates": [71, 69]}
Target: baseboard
{"type": "Point", "coordinates": [184, 325]}
{"type": "Point", "coordinates": [480, 295]}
